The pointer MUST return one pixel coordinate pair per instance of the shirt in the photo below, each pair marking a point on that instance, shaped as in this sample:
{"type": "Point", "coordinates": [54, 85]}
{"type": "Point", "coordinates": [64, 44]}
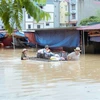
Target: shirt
{"type": "Point", "coordinates": [73, 56]}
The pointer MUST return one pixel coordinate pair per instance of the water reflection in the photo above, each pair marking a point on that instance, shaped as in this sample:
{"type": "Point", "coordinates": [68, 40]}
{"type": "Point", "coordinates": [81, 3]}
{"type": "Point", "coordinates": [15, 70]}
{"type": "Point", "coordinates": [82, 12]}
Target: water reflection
{"type": "Point", "coordinates": [52, 71]}
{"type": "Point", "coordinates": [91, 68]}
{"type": "Point", "coordinates": [38, 80]}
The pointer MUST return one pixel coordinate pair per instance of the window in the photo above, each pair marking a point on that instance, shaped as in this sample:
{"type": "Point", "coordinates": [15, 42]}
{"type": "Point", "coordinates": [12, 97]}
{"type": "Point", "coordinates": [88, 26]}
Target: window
{"type": "Point", "coordinates": [2, 27]}
{"type": "Point", "coordinates": [73, 24]}
{"type": "Point", "coordinates": [65, 7]}
{"type": "Point", "coordinates": [73, 6]}
{"type": "Point", "coordinates": [73, 16]}
{"type": "Point", "coordinates": [29, 16]}
{"type": "Point", "coordinates": [38, 26]}
{"type": "Point", "coordinates": [47, 24]}
{"type": "Point", "coordinates": [29, 26]}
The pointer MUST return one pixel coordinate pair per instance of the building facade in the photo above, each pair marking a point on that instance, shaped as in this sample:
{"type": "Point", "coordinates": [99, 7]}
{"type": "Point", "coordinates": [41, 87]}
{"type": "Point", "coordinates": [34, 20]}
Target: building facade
{"type": "Point", "coordinates": [68, 13]}
{"type": "Point", "coordinates": [30, 23]}
{"type": "Point", "coordinates": [63, 13]}
{"type": "Point", "coordinates": [56, 13]}
{"type": "Point", "coordinates": [87, 8]}
{"type": "Point", "coordinates": [73, 6]}
{"type": "Point", "coordinates": [77, 10]}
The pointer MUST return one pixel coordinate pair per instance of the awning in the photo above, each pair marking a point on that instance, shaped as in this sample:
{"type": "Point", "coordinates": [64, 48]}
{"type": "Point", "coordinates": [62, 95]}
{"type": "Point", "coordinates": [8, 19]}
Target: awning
{"type": "Point", "coordinates": [2, 35]}
{"type": "Point", "coordinates": [92, 27]}
{"type": "Point", "coordinates": [19, 34]}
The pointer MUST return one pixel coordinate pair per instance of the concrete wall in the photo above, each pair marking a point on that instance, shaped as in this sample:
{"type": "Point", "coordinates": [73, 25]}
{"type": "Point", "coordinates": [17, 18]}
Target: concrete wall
{"type": "Point", "coordinates": [87, 8]}
{"type": "Point", "coordinates": [56, 13]}
{"type": "Point", "coordinates": [43, 23]}
{"type": "Point", "coordinates": [63, 11]}
{"type": "Point", "coordinates": [73, 10]}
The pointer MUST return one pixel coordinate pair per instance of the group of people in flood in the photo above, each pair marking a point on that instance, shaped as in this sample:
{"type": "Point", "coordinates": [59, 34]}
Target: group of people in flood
{"type": "Point", "coordinates": [46, 53]}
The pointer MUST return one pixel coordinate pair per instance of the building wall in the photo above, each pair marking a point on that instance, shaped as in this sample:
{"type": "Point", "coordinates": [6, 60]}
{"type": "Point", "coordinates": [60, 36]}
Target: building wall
{"type": "Point", "coordinates": [63, 12]}
{"type": "Point", "coordinates": [30, 23]}
{"type": "Point", "coordinates": [87, 8]}
{"type": "Point", "coordinates": [73, 9]}
{"type": "Point", "coordinates": [56, 13]}
{"type": "Point", "coordinates": [83, 9]}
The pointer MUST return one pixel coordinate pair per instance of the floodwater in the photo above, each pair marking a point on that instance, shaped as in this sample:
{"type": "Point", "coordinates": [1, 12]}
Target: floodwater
{"type": "Point", "coordinates": [38, 80]}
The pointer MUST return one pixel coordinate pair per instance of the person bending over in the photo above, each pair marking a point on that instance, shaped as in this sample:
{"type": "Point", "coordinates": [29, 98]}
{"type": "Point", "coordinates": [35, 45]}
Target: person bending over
{"type": "Point", "coordinates": [74, 56]}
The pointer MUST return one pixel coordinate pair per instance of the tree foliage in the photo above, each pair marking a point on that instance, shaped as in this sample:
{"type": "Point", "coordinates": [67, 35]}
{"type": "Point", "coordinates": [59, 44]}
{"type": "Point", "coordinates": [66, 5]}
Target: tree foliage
{"type": "Point", "coordinates": [11, 12]}
{"type": "Point", "coordinates": [91, 19]}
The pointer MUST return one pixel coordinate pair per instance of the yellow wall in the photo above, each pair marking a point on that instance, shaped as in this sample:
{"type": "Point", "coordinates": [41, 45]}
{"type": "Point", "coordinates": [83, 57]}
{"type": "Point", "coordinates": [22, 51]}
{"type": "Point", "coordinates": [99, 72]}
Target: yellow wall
{"type": "Point", "coordinates": [63, 11]}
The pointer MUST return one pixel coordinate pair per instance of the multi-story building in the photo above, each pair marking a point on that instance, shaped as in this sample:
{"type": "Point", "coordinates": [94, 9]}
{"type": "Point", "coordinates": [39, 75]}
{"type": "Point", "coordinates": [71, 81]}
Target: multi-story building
{"type": "Point", "coordinates": [87, 8]}
{"type": "Point", "coordinates": [73, 12]}
{"type": "Point", "coordinates": [77, 10]}
{"type": "Point", "coordinates": [63, 13]}
{"type": "Point", "coordinates": [68, 12]}
{"type": "Point", "coordinates": [56, 13]}
{"type": "Point", "coordinates": [30, 23]}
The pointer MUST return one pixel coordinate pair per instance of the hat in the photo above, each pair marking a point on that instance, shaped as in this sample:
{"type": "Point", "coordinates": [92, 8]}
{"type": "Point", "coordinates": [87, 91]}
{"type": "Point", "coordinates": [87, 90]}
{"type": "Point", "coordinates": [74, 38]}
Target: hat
{"type": "Point", "coordinates": [46, 46]}
{"type": "Point", "coordinates": [78, 49]}
{"type": "Point", "coordinates": [24, 50]}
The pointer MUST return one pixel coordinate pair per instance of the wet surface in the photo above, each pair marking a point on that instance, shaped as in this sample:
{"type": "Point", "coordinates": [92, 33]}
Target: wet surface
{"type": "Point", "coordinates": [38, 80]}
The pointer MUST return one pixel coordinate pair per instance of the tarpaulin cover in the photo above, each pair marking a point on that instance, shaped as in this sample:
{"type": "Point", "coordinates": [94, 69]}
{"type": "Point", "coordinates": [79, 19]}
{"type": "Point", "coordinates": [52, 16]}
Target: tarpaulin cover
{"type": "Point", "coordinates": [95, 38]}
{"type": "Point", "coordinates": [2, 35]}
{"type": "Point", "coordinates": [58, 38]}
{"type": "Point", "coordinates": [19, 34]}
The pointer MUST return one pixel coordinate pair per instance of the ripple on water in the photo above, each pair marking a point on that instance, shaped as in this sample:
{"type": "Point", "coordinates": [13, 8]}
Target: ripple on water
{"type": "Point", "coordinates": [31, 80]}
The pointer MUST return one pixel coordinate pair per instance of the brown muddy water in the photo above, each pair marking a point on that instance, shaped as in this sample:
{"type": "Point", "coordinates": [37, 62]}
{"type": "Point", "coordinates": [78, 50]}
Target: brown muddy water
{"type": "Point", "coordinates": [38, 80]}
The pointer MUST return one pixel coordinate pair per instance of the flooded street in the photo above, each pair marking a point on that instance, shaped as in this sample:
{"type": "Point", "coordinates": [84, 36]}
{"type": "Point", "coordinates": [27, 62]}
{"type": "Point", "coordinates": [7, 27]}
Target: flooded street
{"type": "Point", "coordinates": [39, 80]}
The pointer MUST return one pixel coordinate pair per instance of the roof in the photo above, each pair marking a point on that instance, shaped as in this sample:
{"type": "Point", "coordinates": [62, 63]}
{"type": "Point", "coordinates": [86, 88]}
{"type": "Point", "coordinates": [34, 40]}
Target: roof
{"type": "Point", "coordinates": [19, 34]}
{"type": "Point", "coordinates": [16, 33]}
{"type": "Point", "coordinates": [28, 30]}
{"type": "Point", "coordinates": [91, 27]}
{"type": "Point", "coordinates": [60, 28]}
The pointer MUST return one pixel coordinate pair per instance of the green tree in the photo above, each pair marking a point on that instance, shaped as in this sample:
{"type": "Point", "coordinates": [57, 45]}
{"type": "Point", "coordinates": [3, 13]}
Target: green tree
{"type": "Point", "coordinates": [91, 19]}
{"type": "Point", "coordinates": [11, 12]}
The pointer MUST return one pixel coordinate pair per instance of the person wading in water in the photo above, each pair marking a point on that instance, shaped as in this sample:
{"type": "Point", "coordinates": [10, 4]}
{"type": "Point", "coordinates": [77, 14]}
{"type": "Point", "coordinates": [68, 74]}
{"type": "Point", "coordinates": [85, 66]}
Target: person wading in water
{"type": "Point", "coordinates": [74, 56]}
{"type": "Point", "coordinates": [24, 54]}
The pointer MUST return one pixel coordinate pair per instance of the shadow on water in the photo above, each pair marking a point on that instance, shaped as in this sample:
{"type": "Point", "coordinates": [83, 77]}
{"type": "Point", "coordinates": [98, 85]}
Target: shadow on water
{"type": "Point", "coordinates": [38, 80]}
